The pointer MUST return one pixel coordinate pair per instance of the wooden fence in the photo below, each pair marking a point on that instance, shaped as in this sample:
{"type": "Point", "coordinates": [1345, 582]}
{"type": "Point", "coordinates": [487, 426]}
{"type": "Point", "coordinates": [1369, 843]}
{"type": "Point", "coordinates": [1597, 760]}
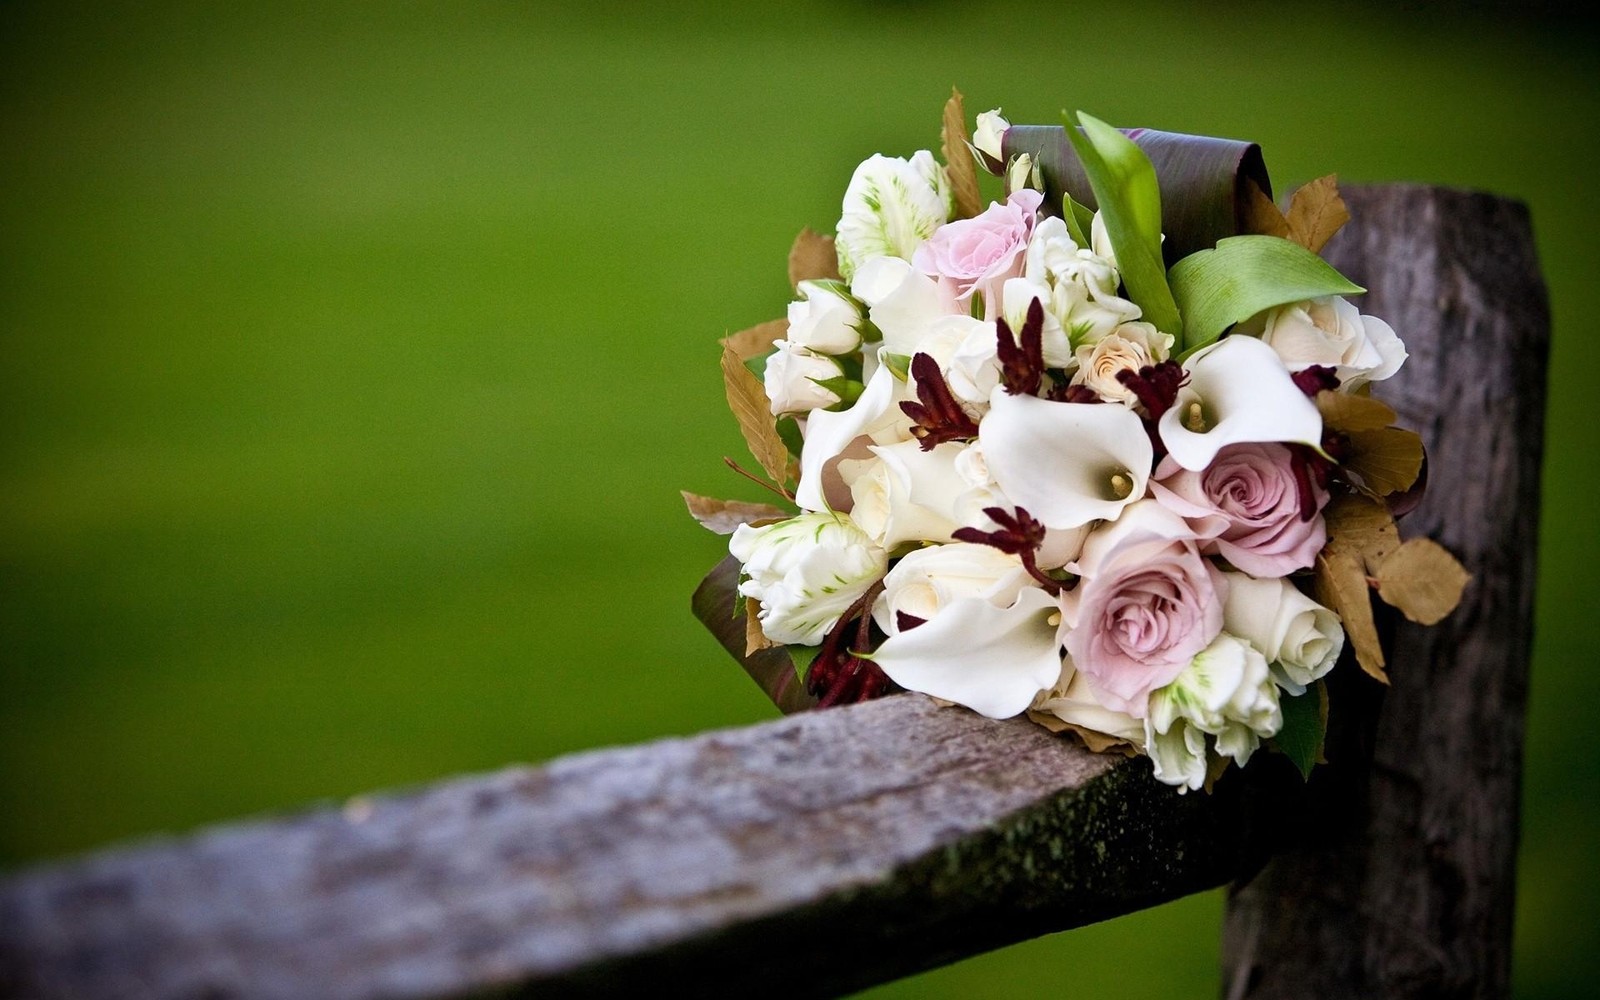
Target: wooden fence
{"type": "Point", "coordinates": [828, 851]}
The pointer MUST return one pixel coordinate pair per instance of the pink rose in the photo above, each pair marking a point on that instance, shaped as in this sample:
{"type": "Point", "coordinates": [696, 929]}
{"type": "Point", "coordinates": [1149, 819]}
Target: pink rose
{"type": "Point", "coordinates": [1246, 507]}
{"type": "Point", "coordinates": [979, 254]}
{"type": "Point", "coordinates": [1146, 604]}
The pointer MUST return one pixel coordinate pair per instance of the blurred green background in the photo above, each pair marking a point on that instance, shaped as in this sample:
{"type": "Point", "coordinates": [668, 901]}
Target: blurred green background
{"type": "Point", "coordinates": [351, 360]}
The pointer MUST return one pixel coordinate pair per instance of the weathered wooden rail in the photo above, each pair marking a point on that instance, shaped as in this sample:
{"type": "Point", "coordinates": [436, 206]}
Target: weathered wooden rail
{"type": "Point", "coordinates": [827, 851]}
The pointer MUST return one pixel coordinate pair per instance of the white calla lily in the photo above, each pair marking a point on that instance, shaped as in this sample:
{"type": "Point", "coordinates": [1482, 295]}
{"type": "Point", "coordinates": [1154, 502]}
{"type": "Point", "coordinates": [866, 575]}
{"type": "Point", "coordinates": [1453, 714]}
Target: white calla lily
{"type": "Point", "coordinates": [1238, 392]}
{"type": "Point", "coordinates": [1065, 463]}
{"type": "Point", "coordinates": [991, 659]}
{"type": "Point", "coordinates": [828, 433]}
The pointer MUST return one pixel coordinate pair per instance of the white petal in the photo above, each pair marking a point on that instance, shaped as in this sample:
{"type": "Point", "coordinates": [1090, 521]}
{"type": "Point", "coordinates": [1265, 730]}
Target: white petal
{"type": "Point", "coordinates": [829, 433]}
{"type": "Point", "coordinates": [901, 301]}
{"type": "Point", "coordinates": [991, 659]}
{"type": "Point", "coordinates": [1061, 462]}
{"type": "Point", "coordinates": [1244, 394]}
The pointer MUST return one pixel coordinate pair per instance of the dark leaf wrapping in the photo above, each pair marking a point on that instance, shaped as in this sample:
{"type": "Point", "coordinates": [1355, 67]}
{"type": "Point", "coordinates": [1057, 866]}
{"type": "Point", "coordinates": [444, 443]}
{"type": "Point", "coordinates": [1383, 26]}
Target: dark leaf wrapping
{"type": "Point", "coordinates": [772, 669]}
{"type": "Point", "coordinates": [1205, 194]}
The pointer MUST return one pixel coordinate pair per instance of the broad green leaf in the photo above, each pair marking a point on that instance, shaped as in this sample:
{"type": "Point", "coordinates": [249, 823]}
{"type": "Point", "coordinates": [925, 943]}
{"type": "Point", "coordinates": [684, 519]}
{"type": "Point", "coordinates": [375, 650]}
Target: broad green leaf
{"type": "Point", "coordinates": [1124, 185]}
{"type": "Point", "coordinates": [1245, 275]}
{"type": "Point", "coordinates": [1304, 727]}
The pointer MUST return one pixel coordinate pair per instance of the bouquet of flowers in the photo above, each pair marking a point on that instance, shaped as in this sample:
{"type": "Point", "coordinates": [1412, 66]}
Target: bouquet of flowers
{"type": "Point", "coordinates": [1102, 451]}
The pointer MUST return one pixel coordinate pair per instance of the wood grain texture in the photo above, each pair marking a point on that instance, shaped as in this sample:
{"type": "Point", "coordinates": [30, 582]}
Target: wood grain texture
{"type": "Point", "coordinates": [1414, 897]}
{"type": "Point", "coordinates": [807, 856]}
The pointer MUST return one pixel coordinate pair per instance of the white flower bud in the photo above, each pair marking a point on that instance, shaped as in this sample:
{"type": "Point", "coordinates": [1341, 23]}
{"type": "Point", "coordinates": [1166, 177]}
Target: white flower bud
{"type": "Point", "coordinates": [791, 378]}
{"type": "Point", "coordinates": [806, 572]}
{"type": "Point", "coordinates": [827, 320]}
{"type": "Point", "coordinates": [989, 133]}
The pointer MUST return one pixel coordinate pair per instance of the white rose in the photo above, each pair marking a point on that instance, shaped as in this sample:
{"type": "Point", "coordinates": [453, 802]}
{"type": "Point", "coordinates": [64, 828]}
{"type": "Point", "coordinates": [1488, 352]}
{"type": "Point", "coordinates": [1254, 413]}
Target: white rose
{"type": "Point", "coordinates": [904, 494]}
{"type": "Point", "coordinates": [806, 572]}
{"type": "Point", "coordinates": [791, 378]}
{"type": "Point", "coordinates": [1300, 638]}
{"type": "Point", "coordinates": [902, 302]}
{"type": "Point", "coordinates": [927, 580]}
{"type": "Point", "coordinates": [1129, 347]}
{"type": "Point", "coordinates": [890, 207]}
{"type": "Point", "coordinates": [827, 320]}
{"type": "Point", "coordinates": [1075, 703]}
{"type": "Point", "coordinates": [1082, 286]}
{"type": "Point", "coordinates": [1226, 691]}
{"type": "Point", "coordinates": [988, 135]}
{"type": "Point", "coordinates": [1332, 332]}
{"type": "Point", "coordinates": [968, 356]}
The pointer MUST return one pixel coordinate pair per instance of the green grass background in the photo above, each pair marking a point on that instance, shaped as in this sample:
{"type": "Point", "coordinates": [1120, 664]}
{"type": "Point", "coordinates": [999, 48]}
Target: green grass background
{"type": "Point", "coordinates": [351, 359]}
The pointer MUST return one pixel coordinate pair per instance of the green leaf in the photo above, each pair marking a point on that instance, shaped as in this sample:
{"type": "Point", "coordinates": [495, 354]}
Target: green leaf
{"type": "Point", "coordinates": [899, 364]}
{"type": "Point", "coordinates": [1243, 276]}
{"type": "Point", "coordinates": [789, 431]}
{"type": "Point", "coordinates": [1124, 185]}
{"type": "Point", "coordinates": [1300, 739]}
{"type": "Point", "coordinates": [1079, 220]}
{"type": "Point", "coordinates": [802, 657]}
{"type": "Point", "coordinates": [847, 389]}
{"type": "Point", "coordinates": [757, 365]}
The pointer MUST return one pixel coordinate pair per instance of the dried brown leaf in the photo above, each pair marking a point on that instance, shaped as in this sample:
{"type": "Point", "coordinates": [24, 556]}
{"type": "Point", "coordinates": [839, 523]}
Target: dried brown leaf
{"type": "Point", "coordinates": [757, 340]}
{"type": "Point", "coordinates": [1387, 459]}
{"type": "Point", "coordinates": [1216, 766]}
{"type": "Point", "coordinates": [755, 640]}
{"type": "Point", "coordinates": [1316, 212]}
{"type": "Point", "coordinates": [812, 257]}
{"type": "Point", "coordinates": [1344, 411]}
{"type": "Point", "coordinates": [1342, 586]}
{"type": "Point", "coordinates": [1097, 742]}
{"type": "Point", "coordinates": [1261, 216]}
{"type": "Point", "coordinates": [724, 516]}
{"type": "Point", "coordinates": [748, 401]}
{"type": "Point", "coordinates": [1423, 580]}
{"type": "Point", "coordinates": [1363, 527]}
{"type": "Point", "coordinates": [961, 168]}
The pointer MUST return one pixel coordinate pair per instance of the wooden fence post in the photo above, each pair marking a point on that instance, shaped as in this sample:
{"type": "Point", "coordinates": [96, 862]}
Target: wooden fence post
{"type": "Point", "coordinates": [1414, 897]}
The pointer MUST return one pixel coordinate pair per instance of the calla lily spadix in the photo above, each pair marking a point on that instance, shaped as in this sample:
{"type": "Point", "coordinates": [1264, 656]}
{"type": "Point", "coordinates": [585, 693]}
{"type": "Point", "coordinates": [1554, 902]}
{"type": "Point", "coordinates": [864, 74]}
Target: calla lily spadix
{"type": "Point", "coordinates": [992, 659]}
{"type": "Point", "coordinates": [1238, 393]}
{"type": "Point", "coordinates": [1066, 463]}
